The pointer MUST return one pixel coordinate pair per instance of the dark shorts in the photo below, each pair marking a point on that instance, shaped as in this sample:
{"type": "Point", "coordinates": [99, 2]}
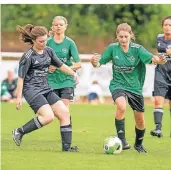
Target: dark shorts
{"type": "Point", "coordinates": [92, 96]}
{"type": "Point", "coordinates": [135, 101]}
{"type": "Point", "coordinates": [162, 89]}
{"type": "Point", "coordinates": [42, 99]}
{"type": "Point", "coordinates": [65, 93]}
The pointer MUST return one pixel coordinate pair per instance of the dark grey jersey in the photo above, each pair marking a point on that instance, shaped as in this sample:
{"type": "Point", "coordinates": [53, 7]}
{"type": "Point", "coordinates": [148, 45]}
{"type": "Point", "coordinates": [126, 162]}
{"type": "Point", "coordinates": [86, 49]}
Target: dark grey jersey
{"type": "Point", "coordinates": [33, 68]}
{"type": "Point", "coordinates": [163, 72]}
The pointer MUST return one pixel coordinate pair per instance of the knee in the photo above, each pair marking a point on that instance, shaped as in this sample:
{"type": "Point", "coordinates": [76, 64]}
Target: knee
{"type": "Point", "coordinates": [158, 103]}
{"type": "Point", "coordinates": [121, 109]}
{"type": "Point", "coordinates": [49, 118]}
{"type": "Point", "coordinates": [65, 114]}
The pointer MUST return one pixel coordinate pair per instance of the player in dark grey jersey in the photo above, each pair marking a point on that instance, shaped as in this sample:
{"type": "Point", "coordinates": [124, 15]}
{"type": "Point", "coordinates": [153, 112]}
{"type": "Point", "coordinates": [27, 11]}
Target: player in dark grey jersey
{"type": "Point", "coordinates": [33, 85]}
{"type": "Point", "coordinates": [162, 80]}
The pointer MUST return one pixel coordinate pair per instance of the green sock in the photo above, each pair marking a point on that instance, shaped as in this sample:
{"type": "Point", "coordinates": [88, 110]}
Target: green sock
{"type": "Point", "coordinates": [120, 128]}
{"type": "Point", "coordinates": [139, 136]}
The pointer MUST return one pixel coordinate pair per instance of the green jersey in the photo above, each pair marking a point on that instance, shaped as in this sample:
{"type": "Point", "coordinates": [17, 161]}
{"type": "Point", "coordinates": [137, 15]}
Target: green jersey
{"type": "Point", "coordinates": [128, 68]}
{"type": "Point", "coordinates": [65, 51]}
{"type": "Point", "coordinates": [8, 87]}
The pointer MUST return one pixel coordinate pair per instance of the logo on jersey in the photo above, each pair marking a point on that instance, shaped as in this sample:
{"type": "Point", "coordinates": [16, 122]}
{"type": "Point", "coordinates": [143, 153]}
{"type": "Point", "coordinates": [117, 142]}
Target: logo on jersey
{"type": "Point", "coordinates": [64, 50]}
{"type": "Point", "coordinates": [48, 59]}
{"type": "Point", "coordinates": [159, 44]}
{"type": "Point", "coordinates": [116, 57]}
{"type": "Point", "coordinates": [169, 46]}
{"type": "Point", "coordinates": [132, 58]}
{"type": "Point", "coordinates": [36, 62]}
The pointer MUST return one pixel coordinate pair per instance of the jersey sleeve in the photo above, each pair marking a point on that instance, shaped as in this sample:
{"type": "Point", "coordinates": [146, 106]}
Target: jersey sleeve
{"type": "Point", "coordinates": [55, 61]}
{"type": "Point", "coordinates": [145, 56]}
{"type": "Point", "coordinates": [74, 52]}
{"type": "Point", "coordinates": [24, 66]}
{"type": "Point", "coordinates": [106, 55]}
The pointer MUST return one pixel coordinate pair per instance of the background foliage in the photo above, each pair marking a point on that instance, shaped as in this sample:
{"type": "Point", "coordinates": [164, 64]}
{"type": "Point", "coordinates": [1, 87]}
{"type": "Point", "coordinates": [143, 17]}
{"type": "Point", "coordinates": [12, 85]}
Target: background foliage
{"type": "Point", "coordinates": [89, 22]}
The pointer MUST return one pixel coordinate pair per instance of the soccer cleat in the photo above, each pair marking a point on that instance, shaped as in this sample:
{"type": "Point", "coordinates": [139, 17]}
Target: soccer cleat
{"type": "Point", "coordinates": [140, 148]}
{"type": "Point", "coordinates": [157, 133]}
{"type": "Point", "coordinates": [17, 137]}
{"type": "Point", "coordinates": [125, 145]}
{"type": "Point", "coordinates": [71, 149]}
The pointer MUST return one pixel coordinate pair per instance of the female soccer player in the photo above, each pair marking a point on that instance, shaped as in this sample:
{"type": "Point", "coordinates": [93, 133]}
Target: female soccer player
{"type": "Point", "coordinates": [129, 69]}
{"type": "Point", "coordinates": [162, 81]}
{"type": "Point", "coordinates": [33, 84]}
{"type": "Point", "coordinates": [66, 50]}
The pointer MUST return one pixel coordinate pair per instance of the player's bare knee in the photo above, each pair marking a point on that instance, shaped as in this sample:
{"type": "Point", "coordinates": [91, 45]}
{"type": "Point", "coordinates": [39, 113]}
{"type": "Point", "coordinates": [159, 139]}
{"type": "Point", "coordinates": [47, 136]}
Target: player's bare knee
{"type": "Point", "coordinates": [49, 117]}
{"type": "Point", "coordinates": [121, 109]}
{"type": "Point", "coordinates": [158, 102]}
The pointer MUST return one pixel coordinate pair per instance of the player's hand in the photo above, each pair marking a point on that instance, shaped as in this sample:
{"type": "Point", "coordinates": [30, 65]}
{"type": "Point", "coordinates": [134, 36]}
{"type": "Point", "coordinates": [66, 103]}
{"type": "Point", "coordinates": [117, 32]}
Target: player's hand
{"type": "Point", "coordinates": [76, 78]}
{"type": "Point", "coordinates": [18, 103]}
{"type": "Point", "coordinates": [94, 59]}
{"type": "Point", "coordinates": [52, 69]}
{"type": "Point", "coordinates": [168, 51]}
{"type": "Point", "coordinates": [161, 59]}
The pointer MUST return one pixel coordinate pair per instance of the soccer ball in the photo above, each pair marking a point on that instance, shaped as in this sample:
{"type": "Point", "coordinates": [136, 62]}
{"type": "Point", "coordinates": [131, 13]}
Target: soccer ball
{"type": "Point", "coordinates": [112, 145]}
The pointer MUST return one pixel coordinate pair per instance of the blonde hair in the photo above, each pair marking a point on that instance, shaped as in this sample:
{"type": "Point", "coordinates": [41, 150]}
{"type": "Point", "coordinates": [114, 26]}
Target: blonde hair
{"type": "Point", "coordinates": [57, 18]}
{"type": "Point", "coordinates": [29, 32]}
{"type": "Point", "coordinates": [125, 27]}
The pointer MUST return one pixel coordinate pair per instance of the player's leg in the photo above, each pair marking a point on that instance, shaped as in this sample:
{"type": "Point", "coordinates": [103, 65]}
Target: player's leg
{"type": "Point", "coordinates": [137, 104]}
{"type": "Point", "coordinates": [67, 96]}
{"type": "Point", "coordinates": [160, 91]}
{"type": "Point", "coordinates": [62, 113]}
{"type": "Point", "coordinates": [45, 116]}
{"type": "Point", "coordinates": [119, 98]}
{"type": "Point", "coordinates": [169, 97]}
{"type": "Point", "coordinates": [140, 131]}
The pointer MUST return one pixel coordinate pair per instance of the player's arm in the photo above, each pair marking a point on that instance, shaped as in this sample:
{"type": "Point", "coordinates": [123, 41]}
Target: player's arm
{"type": "Point", "coordinates": [105, 57]}
{"type": "Point", "coordinates": [19, 93]}
{"type": "Point", "coordinates": [75, 55]}
{"type": "Point", "coordinates": [24, 65]}
{"type": "Point", "coordinates": [76, 66]}
{"type": "Point", "coordinates": [158, 59]}
{"type": "Point", "coordinates": [148, 58]}
{"type": "Point", "coordinates": [63, 67]}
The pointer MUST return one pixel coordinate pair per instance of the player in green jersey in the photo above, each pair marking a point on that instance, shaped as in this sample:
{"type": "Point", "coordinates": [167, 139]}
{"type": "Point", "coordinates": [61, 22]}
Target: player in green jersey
{"type": "Point", "coordinates": [128, 63]}
{"type": "Point", "coordinates": [8, 88]}
{"type": "Point", "coordinates": [66, 50]}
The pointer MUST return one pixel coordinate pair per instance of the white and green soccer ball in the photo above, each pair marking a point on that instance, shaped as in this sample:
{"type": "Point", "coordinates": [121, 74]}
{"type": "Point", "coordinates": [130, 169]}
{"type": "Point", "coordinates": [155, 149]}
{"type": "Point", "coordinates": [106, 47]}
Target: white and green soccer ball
{"type": "Point", "coordinates": [112, 145]}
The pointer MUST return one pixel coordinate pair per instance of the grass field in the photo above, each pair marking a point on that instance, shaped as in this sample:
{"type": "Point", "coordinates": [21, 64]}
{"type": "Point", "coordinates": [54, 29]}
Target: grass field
{"type": "Point", "coordinates": [41, 150]}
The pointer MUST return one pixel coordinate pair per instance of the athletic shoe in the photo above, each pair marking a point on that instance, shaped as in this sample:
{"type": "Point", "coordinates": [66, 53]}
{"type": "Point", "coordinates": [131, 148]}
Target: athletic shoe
{"type": "Point", "coordinates": [17, 136]}
{"type": "Point", "coordinates": [125, 145]}
{"type": "Point", "coordinates": [157, 133]}
{"type": "Point", "coordinates": [71, 149]}
{"type": "Point", "coordinates": [140, 148]}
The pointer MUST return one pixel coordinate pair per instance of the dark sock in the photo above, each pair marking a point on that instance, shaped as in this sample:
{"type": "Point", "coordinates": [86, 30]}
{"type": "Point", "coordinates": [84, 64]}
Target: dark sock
{"type": "Point", "coordinates": [158, 114]}
{"type": "Point", "coordinates": [66, 136]}
{"type": "Point", "coordinates": [139, 136]}
{"type": "Point", "coordinates": [120, 128]}
{"type": "Point", "coordinates": [70, 121]}
{"type": "Point", "coordinates": [30, 126]}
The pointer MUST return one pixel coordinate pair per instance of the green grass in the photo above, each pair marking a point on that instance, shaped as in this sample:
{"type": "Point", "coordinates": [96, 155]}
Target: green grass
{"type": "Point", "coordinates": [41, 150]}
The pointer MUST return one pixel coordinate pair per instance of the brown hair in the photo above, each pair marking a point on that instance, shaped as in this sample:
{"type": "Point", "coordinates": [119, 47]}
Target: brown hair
{"type": "Point", "coordinates": [57, 18]}
{"type": "Point", "coordinates": [125, 27]}
{"type": "Point", "coordinates": [29, 32]}
{"type": "Point", "coordinates": [169, 17]}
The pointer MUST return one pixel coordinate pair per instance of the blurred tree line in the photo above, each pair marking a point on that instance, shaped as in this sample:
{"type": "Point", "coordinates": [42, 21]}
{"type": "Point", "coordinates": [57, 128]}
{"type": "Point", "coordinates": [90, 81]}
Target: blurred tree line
{"type": "Point", "coordinates": [90, 22]}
